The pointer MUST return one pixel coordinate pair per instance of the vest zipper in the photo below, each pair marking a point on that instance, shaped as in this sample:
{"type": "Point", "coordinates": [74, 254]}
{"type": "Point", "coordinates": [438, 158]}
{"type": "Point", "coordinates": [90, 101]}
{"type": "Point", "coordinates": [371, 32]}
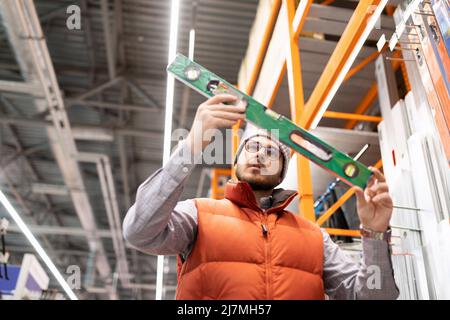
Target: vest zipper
{"type": "Point", "coordinates": [265, 232]}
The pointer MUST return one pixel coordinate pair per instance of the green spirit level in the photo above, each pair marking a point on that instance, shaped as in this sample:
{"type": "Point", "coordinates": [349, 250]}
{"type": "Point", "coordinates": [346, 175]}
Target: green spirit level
{"type": "Point", "coordinates": [208, 84]}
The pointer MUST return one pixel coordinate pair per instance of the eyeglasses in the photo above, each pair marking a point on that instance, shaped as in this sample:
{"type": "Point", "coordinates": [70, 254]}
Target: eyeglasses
{"type": "Point", "coordinates": [270, 152]}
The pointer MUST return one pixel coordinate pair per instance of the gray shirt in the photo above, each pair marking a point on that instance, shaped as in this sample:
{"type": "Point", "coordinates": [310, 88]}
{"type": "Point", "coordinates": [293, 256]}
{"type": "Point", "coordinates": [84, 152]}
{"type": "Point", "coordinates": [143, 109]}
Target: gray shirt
{"type": "Point", "coordinates": [159, 224]}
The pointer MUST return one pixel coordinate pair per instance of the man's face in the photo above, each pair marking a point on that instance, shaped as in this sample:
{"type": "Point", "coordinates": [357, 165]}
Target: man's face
{"type": "Point", "coordinates": [260, 164]}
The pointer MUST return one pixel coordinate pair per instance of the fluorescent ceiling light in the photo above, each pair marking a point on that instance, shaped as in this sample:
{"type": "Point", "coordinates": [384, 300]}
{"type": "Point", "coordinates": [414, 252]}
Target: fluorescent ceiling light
{"type": "Point", "coordinates": [170, 79]}
{"type": "Point", "coordinates": [168, 119]}
{"type": "Point", "coordinates": [34, 242]}
{"type": "Point", "coordinates": [191, 44]}
{"type": "Point", "coordinates": [369, 27]}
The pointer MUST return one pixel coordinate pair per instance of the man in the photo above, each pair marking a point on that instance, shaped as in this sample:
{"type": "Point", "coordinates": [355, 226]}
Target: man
{"type": "Point", "coordinates": [247, 246]}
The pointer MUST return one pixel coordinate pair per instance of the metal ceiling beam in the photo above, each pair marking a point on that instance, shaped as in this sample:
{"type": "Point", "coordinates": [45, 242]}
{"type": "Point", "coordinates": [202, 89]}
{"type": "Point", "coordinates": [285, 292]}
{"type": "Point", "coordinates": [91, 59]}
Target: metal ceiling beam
{"type": "Point", "coordinates": [31, 171]}
{"type": "Point", "coordinates": [40, 230]}
{"type": "Point", "coordinates": [111, 105]}
{"type": "Point", "coordinates": [85, 71]}
{"type": "Point", "coordinates": [98, 88]}
{"type": "Point", "coordinates": [89, 41]}
{"type": "Point", "coordinates": [107, 184]}
{"type": "Point", "coordinates": [68, 252]}
{"type": "Point", "coordinates": [109, 42]}
{"type": "Point", "coordinates": [51, 189]}
{"type": "Point", "coordinates": [58, 12]}
{"type": "Point", "coordinates": [118, 44]}
{"type": "Point", "coordinates": [86, 132]}
{"type": "Point", "coordinates": [123, 157]}
{"type": "Point", "coordinates": [33, 174]}
{"type": "Point", "coordinates": [144, 95]}
{"type": "Point", "coordinates": [124, 169]}
{"type": "Point", "coordinates": [118, 17]}
{"type": "Point", "coordinates": [103, 164]}
{"type": "Point", "coordinates": [21, 87]}
{"type": "Point", "coordinates": [22, 152]}
{"type": "Point", "coordinates": [20, 19]}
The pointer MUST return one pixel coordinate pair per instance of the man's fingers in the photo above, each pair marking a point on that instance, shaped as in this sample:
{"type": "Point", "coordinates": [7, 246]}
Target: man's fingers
{"type": "Point", "coordinates": [228, 115]}
{"type": "Point", "coordinates": [359, 193]}
{"type": "Point", "coordinates": [379, 187]}
{"type": "Point", "coordinates": [371, 182]}
{"type": "Point", "coordinates": [221, 98]}
{"type": "Point", "coordinates": [228, 108]}
{"type": "Point", "coordinates": [377, 173]}
{"type": "Point", "coordinates": [383, 199]}
{"type": "Point", "coordinates": [224, 123]}
{"type": "Point", "coordinates": [368, 191]}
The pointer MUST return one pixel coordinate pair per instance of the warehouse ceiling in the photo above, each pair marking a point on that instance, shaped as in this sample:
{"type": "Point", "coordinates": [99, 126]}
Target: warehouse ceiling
{"type": "Point", "coordinates": [112, 81]}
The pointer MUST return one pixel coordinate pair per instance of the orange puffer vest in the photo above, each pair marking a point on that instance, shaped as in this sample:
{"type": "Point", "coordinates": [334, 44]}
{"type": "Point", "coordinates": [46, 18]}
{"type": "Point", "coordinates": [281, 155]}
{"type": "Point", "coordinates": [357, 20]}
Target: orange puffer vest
{"type": "Point", "coordinates": [242, 252]}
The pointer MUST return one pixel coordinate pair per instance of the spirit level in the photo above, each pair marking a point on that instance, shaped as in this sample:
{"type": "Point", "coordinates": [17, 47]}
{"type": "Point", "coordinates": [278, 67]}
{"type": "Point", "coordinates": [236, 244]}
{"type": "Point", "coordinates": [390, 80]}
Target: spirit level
{"type": "Point", "coordinates": [337, 163]}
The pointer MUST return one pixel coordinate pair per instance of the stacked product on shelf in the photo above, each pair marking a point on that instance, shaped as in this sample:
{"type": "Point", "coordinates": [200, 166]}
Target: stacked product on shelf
{"type": "Point", "coordinates": [414, 142]}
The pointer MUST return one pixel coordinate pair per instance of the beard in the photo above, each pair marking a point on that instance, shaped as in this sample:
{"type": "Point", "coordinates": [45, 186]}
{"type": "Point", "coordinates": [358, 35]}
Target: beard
{"type": "Point", "coordinates": [257, 181]}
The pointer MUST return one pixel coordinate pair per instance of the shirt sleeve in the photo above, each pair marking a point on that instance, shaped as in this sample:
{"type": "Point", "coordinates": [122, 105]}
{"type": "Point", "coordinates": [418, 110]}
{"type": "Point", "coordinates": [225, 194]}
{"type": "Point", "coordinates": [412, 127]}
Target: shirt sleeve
{"type": "Point", "coordinates": [371, 278]}
{"type": "Point", "coordinates": [158, 223]}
